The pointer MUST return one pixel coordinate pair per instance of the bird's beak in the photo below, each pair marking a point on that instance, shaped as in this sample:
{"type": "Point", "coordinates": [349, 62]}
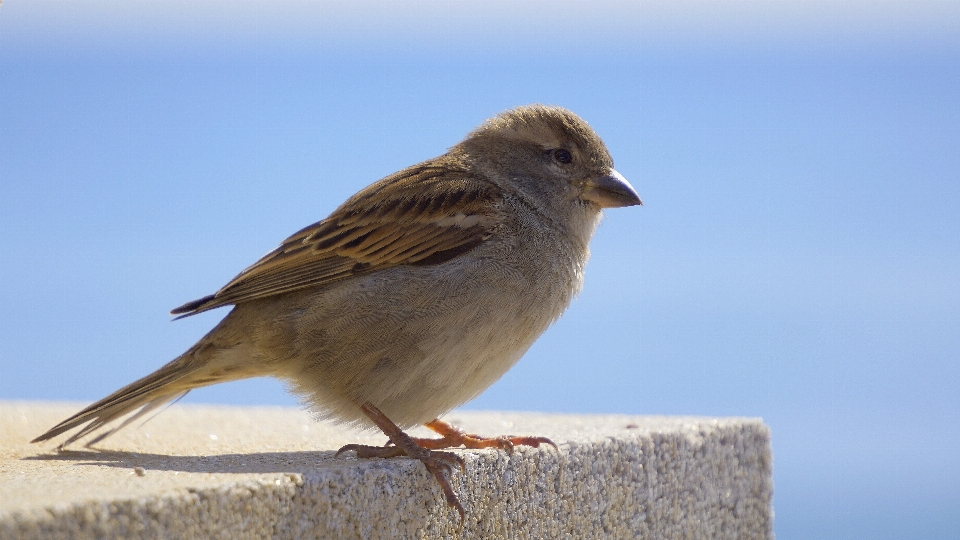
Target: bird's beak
{"type": "Point", "coordinates": [611, 191]}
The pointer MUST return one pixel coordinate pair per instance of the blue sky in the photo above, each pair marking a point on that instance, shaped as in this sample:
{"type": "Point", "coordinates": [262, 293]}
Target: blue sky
{"type": "Point", "coordinates": [797, 257]}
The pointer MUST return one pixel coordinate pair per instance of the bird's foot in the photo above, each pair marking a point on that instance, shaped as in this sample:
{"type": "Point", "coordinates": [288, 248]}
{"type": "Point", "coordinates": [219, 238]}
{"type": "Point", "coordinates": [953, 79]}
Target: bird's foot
{"type": "Point", "coordinates": [452, 437]}
{"type": "Point", "coordinates": [440, 464]}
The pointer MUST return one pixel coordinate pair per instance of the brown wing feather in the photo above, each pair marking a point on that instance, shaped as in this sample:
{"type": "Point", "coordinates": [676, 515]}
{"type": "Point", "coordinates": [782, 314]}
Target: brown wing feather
{"type": "Point", "coordinates": [423, 215]}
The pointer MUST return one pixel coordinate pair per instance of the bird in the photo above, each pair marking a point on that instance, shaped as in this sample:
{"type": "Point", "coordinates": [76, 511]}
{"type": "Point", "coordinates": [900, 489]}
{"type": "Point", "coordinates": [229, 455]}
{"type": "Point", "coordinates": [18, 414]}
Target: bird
{"type": "Point", "coordinates": [412, 297]}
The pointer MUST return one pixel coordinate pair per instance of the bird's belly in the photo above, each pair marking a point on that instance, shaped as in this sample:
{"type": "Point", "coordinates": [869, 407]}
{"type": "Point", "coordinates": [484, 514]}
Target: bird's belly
{"type": "Point", "coordinates": [417, 353]}
{"type": "Point", "coordinates": [455, 365]}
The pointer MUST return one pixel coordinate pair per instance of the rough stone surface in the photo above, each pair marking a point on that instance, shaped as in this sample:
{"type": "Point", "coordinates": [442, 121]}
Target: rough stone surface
{"type": "Point", "coordinates": [223, 472]}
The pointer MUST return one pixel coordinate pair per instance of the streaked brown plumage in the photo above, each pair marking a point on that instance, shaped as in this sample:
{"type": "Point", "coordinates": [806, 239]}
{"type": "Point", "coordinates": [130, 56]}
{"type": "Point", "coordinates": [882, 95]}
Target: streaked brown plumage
{"type": "Point", "coordinates": [414, 295]}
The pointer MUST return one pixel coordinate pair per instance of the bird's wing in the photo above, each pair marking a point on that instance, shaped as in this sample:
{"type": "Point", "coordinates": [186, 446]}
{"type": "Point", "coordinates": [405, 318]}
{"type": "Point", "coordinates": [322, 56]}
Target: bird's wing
{"type": "Point", "coordinates": [423, 215]}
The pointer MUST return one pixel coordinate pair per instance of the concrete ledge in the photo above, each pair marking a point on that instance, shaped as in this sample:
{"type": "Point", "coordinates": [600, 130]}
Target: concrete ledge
{"type": "Point", "coordinates": [220, 472]}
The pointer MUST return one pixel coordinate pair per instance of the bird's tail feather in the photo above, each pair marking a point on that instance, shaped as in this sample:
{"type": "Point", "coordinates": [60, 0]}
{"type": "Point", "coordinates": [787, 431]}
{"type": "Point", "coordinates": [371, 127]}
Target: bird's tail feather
{"type": "Point", "coordinates": [165, 385]}
{"type": "Point", "coordinates": [144, 410]}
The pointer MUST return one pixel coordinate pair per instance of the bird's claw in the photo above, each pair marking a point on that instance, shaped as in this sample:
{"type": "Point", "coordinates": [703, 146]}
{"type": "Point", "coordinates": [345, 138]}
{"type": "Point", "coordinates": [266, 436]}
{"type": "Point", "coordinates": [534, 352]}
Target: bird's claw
{"type": "Point", "coordinates": [452, 437]}
{"type": "Point", "coordinates": [364, 451]}
{"type": "Point", "coordinates": [439, 464]}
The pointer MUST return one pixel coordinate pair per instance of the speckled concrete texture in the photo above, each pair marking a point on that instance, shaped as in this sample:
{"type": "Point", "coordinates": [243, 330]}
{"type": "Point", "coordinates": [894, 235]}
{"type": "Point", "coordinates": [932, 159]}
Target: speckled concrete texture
{"type": "Point", "coordinates": [225, 472]}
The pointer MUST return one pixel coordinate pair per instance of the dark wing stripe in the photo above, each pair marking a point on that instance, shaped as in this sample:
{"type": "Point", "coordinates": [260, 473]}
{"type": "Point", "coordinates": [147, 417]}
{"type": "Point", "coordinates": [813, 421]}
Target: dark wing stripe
{"type": "Point", "coordinates": [384, 239]}
{"type": "Point", "coordinates": [390, 252]}
{"type": "Point", "coordinates": [445, 255]}
{"type": "Point", "coordinates": [352, 237]}
{"type": "Point", "coordinates": [327, 240]}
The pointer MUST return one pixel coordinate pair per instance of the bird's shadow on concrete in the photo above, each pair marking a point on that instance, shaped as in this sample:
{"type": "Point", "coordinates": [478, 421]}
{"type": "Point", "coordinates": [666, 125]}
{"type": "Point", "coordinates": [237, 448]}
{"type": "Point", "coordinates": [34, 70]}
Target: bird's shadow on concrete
{"type": "Point", "coordinates": [255, 462]}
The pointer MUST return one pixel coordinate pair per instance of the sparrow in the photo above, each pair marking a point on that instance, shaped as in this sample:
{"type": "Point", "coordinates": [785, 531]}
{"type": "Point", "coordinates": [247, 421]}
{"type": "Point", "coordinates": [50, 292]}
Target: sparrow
{"type": "Point", "coordinates": [413, 296]}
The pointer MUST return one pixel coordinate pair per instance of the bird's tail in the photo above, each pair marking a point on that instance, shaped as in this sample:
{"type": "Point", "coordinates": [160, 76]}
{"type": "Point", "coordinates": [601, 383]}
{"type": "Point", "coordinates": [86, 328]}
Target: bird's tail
{"type": "Point", "coordinates": [165, 385]}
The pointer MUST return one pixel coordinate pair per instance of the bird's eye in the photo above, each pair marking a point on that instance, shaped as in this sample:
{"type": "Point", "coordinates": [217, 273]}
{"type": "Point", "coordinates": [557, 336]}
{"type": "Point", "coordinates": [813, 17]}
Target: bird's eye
{"type": "Point", "coordinates": [563, 156]}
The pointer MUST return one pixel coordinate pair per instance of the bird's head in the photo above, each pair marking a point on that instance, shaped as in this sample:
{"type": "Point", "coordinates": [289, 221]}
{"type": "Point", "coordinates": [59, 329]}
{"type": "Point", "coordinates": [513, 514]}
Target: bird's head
{"type": "Point", "coordinates": [550, 155]}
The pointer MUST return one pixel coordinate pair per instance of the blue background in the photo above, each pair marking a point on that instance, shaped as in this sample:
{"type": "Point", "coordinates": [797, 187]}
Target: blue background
{"type": "Point", "coordinates": [797, 257]}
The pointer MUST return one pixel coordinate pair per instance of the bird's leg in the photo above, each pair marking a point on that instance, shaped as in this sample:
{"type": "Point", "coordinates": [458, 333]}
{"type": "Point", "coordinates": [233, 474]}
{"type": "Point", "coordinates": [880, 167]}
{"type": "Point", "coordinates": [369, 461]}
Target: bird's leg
{"type": "Point", "coordinates": [440, 464]}
{"type": "Point", "coordinates": [452, 436]}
